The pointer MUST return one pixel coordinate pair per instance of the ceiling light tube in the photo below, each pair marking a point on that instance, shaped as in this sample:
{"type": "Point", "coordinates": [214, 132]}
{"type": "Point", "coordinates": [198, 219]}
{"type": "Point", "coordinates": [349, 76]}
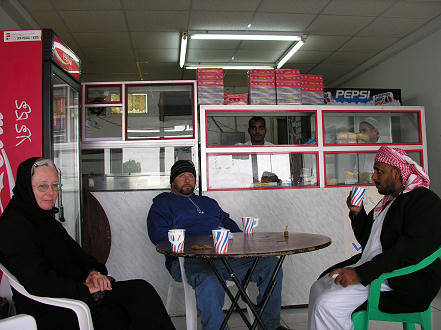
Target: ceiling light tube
{"type": "Point", "coordinates": [289, 54]}
{"type": "Point", "coordinates": [229, 67]}
{"type": "Point", "coordinates": [244, 36]}
{"type": "Point", "coordinates": [183, 52]}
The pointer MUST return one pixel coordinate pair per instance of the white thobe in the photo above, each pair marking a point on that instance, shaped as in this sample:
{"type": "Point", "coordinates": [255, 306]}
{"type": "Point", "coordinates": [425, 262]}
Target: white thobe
{"type": "Point", "coordinates": [331, 305]}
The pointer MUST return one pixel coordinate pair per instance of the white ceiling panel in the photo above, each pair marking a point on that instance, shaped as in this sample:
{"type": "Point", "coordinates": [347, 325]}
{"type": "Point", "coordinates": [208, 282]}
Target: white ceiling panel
{"type": "Point", "coordinates": [158, 55]}
{"type": "Point", "coordinates": [86, 4]}
{"type": "Point", "coordinates": [155, 39]}
{"type": "Point", "coordinates": [231, 5]}
{"type": "Point", "coordinates": [213, 44]}
{"type": "Point", "coordinates": [219, 20]}
{"type": "Point", "coordinates": [156, 5]}
{"type": "Point", "coordinates": [111, 55]}
{"type": "Point", "coordinates": [338, 25]}
{"type": "Point", "coordinates": [32, 5]}
{"type": "Point", "coordinates": [94, 21]}
{"type": "Point", "coordinates": [209, 55]}
{"type": "Point", "coordinates": [157, 20]}
{"type": "Point", "coordinates": [368, 44]}
{"type": "Point", "coordinates": [329, 68]}
{"type": "Point", "coordinates": [282, 22]}
{"type": "Point", "coordinates": [278, 46]}
{"type": "Point", "coordinates": [263, 56]}
{"type": "Point", "coordinates": [391, 27]}
{"type": "Point", "coordinates": [110, 66]}
{"type": "Point", "coordinates": [345, 57]}
{"type": "Point", "coordinates": [115, 40]}
{"type": "Point", "coordinates": [309, 56]}
{"type": "Point", "coordinates": [357, 7]}
{"type": "Point", "coordinates": [414, 9]}
{"type": "Point", "coordinates": [324, 43]}
{"type": "Point", "coordinates": [293, 6]}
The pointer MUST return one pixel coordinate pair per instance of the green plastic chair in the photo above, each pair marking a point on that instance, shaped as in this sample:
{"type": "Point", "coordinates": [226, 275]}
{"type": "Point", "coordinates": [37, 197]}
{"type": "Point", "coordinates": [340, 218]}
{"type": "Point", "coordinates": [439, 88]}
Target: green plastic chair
{"type": "Point", "coordinates": [361, 318]}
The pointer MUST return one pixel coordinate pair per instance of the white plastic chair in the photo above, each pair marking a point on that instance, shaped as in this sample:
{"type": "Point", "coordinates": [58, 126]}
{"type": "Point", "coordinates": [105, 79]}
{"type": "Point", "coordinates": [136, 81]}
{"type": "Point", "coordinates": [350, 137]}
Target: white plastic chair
{"type": "Point", "coordinates": [80, 308]}
{"type": "Point", "coordinates": [191, 314]}
{"type": "Point", "coordinates": [18, 322]}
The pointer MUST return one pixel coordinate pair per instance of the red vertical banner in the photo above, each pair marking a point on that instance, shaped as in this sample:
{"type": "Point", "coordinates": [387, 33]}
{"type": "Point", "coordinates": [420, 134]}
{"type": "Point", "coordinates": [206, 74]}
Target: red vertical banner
{"type": "Point", "coordinates": [21, 137]}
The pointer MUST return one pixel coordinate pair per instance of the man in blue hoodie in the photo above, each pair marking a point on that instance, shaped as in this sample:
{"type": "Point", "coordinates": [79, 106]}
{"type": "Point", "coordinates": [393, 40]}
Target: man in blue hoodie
{"type": "Point", "coordinates": [198, 215]}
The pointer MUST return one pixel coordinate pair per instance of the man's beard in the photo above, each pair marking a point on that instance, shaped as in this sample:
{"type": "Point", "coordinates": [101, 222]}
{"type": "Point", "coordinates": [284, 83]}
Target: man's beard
{"type": "Point", "coordinates": [186, 190]}
{"type": "Point", "coordinates": [389, 189]}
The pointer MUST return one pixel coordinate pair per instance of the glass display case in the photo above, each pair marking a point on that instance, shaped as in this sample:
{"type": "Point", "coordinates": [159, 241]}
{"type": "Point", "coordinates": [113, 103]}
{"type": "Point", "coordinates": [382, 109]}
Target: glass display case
{"type": "Point", "coordinates": [160, 111]}
{"type": "Point", "coordinates": [134, 132]}
{"type": "Point", "coordinates": [282, 128]}
{"type": "Point", "coordinates": [385, 127]}
{"type": "Point", "coordinates": [251, 170]}
{"type": "Point", "coordinates": [355, 168]}
{"type": "Point", "coordinates": [131, 168]}
{"type": "Point", "coordinates": [302, 146]}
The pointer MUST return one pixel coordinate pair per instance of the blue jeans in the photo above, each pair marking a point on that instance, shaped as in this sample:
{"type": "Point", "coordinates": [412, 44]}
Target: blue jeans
{"type": "Point", "coordinates": [210, 293]}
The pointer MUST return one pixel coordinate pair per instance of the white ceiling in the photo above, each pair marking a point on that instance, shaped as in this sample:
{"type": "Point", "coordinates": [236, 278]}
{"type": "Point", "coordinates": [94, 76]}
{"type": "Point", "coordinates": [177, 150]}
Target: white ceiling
{"type": "Point", "coordinates": [139, 39]}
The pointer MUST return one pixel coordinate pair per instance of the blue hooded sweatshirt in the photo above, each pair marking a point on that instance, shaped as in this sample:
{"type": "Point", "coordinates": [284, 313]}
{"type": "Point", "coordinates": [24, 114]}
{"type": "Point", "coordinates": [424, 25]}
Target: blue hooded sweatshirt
{"type": "Point", "coordinates": [198, 215]}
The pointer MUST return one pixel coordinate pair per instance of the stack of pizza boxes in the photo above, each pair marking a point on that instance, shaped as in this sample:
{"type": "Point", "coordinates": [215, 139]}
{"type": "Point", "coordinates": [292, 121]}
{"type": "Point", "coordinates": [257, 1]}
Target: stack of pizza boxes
{"type": "Point", "coordinates": [262, 86]}
{"type": "Point", "coordinates": [312, 89]}
{"type": "Point", "coordinates": [210, 86]}
{"type": "Point", "coordinates": [289, 86]}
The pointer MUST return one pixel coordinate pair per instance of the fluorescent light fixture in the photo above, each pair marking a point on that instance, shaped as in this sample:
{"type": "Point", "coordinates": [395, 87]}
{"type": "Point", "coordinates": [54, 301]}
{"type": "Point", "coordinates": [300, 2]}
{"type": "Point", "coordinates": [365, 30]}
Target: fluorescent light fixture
{"type": "Point", "coordinates": [228, 67]}
{"type": "Point", "coordinates": [290, 53]}
{"type": "Point", "coordinates": [184, 40]}
{"type": "Point", "coordinates": [244, 36]}
{"type": "Point", "coordinates": [295, 41]}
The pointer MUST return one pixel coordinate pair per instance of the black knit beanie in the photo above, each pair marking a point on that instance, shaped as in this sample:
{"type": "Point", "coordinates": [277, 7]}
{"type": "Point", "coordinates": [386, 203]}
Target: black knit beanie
{"type": "Point", "coordinates": [181, 166]}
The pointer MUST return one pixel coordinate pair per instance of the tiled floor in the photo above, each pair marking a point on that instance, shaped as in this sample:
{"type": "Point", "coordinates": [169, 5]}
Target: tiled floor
{"type": "Point", "coordinates": [297, 318]}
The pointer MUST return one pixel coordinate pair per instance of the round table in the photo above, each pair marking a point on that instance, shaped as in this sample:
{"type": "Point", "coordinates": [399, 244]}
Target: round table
{"type": "Point", "coordinates": [257, 245]}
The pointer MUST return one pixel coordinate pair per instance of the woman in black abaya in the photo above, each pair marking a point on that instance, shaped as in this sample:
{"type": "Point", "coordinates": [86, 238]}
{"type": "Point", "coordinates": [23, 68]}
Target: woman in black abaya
{"type": "Point", "coordinates": [35, 247]}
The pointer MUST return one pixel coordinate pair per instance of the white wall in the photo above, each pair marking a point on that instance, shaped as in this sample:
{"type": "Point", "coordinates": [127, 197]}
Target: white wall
{"type": "Point", "coordinates": [417, 71]}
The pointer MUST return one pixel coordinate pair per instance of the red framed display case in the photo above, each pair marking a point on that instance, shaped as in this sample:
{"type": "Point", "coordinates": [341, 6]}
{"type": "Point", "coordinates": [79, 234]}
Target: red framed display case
{"type": "Point", "coordinates": [338, 130]}
{"type": "Point", "coordinates": [358, 170]}
{"type": "Point", "coordinates": [120, 156]}
{"type": "Point", "coordinates": [274, 170]}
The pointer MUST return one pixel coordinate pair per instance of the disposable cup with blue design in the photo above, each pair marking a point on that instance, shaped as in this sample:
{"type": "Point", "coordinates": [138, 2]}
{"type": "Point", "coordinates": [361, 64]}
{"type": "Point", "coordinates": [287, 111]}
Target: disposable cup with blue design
{"type": "Point", "coordinates": [176, 237]}
{"type": "Point", "coordinates": [220, 240]}
{"type": "Point", "coordinates": [357, 195]}
{"type": "Point", "coordinates": [249, 223]}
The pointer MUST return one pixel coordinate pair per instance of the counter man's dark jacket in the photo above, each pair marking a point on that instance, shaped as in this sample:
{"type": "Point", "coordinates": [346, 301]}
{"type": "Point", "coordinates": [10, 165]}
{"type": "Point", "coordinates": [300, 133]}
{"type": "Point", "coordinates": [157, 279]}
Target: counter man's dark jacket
{"type": "Point", "coordinates": [411, 231]}
{"type": "Point", "coordinates": [36, 248]}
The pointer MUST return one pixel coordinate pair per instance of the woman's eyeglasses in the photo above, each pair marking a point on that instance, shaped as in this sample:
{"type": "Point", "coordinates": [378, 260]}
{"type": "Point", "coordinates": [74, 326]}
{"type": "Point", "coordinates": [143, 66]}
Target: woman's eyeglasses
{"type": "Point", "coordinates": [45, 187]}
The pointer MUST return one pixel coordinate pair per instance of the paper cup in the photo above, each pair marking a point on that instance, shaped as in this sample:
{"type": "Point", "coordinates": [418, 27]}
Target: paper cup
{"type": "Point", "coordinates": [176, 238]}
{"type": "Point", "coordinates": [249, 223]}
{"type": "Point", "coordinates": [357, 195]}
{"type": "Point", "coordinates": [220, 240]}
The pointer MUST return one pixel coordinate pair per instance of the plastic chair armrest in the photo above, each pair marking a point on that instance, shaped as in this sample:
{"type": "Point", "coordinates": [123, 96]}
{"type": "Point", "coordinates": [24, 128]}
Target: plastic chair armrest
{"type": "Point", "coordinates": [374, 291]}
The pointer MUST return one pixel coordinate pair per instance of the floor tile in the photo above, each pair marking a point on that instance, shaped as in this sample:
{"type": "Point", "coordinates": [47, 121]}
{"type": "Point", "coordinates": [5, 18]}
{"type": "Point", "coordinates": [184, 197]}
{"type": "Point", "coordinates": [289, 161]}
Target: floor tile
{"type": "Point", "coordinates": [297, 318]}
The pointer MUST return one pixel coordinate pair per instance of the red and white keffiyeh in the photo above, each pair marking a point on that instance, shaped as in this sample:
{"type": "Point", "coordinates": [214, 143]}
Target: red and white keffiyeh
{"type": "Point", "coordinates": [412, 174]}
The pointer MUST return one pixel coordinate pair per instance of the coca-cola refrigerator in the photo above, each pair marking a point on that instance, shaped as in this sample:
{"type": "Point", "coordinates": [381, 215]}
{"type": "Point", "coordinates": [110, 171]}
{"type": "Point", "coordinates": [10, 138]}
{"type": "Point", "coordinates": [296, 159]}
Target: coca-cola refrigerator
{"type": "Point", "coordinates": [40, 115]}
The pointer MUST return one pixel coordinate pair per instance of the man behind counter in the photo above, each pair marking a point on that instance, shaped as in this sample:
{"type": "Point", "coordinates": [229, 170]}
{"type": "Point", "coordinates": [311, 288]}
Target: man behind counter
{"type": "Point", "coordinates": [198, 215]}
{"type": "Point", "coordinates": [401, 230]}
{"type": "Point", "coordinates": [257, 131]}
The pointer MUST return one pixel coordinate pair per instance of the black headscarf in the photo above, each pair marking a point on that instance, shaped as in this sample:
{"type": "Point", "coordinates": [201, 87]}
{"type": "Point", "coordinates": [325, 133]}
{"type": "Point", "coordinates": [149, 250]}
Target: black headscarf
{"type": "Point", "coordinates": [24, 198]}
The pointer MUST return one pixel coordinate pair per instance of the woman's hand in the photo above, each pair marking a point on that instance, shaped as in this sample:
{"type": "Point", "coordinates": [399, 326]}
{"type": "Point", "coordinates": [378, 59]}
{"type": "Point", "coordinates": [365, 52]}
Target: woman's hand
{"type": "Point", "coordinates": [97, 282]}
{"type": "Point", "coordinates": [354, 209]}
